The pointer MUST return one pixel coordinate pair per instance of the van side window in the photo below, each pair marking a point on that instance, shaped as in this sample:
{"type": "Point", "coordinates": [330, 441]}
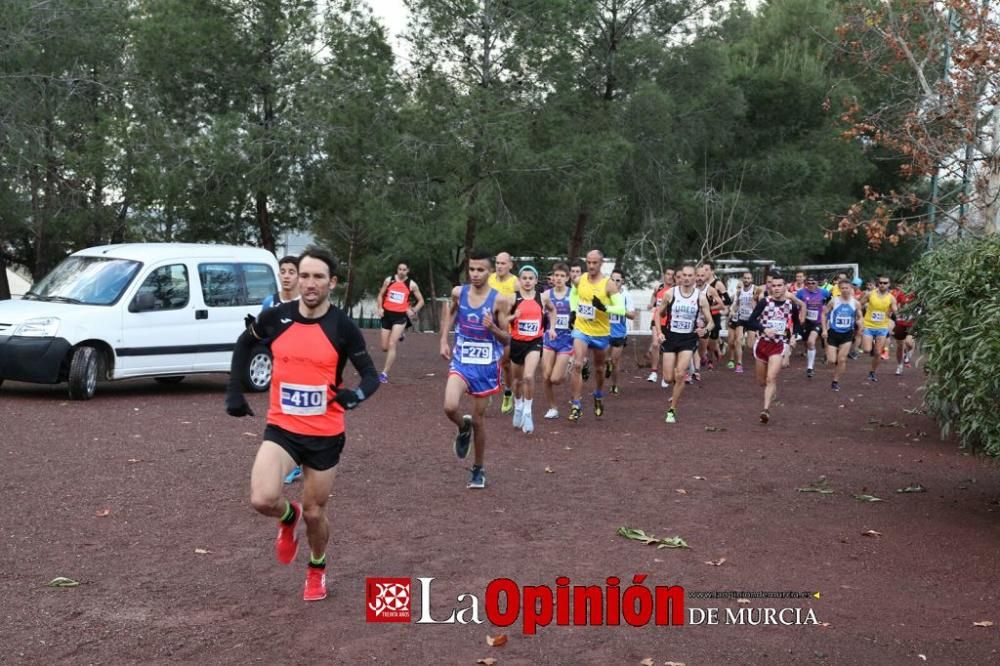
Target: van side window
{"type": "Point", "coordinates": [169, 285]}
{"type": "Point", "coordinates": [259, 281]}
{"type": "Point", "coordinates": [220, 284]}
{"type": "Point", "coordinates": [227, 285]}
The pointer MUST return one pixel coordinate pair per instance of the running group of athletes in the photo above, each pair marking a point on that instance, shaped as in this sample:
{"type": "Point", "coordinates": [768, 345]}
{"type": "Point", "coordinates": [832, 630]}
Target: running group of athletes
{"type": "Point", "coordinates": [505, 326]}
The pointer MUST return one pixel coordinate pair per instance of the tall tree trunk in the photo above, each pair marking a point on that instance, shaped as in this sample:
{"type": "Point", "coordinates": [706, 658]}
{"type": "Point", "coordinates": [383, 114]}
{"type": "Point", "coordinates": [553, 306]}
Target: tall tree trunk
{"type": "Point", "coordinates": [118, 232]}
{"type": "Point", "coordinates": [991, 179]}
{"type": "Point", "coordinates": [4, 284]}
{"type": "Point", "coordinates": [576, 240]}
{"type": "Point", "coordinates": [264, 222]}
{"type": "Point", "coordinates": [432, 295]}
{"type": "Point", "coordinates": [42, 259]}
{"type": "Point", "coordinates": [349, 288]}
{"type": "Point", "coordinates": [470, 243]}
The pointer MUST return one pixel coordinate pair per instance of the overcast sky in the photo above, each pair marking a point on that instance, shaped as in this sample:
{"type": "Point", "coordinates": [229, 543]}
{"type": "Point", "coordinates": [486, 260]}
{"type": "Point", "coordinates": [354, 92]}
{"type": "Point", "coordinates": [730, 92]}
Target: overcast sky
{"type": "Point", "coordinates": [393, 16]}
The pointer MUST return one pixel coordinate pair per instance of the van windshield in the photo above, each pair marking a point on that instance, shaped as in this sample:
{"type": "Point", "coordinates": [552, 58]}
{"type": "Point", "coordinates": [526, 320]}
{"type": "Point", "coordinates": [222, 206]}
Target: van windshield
{"type": "Point", "coordinates": [85, 280]}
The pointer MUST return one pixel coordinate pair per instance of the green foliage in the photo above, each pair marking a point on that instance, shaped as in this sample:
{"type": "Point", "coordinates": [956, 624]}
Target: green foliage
{"type": "Point", "coordinates": [958, 315]}
{"type": "Point", "coordinates": [539, 127]}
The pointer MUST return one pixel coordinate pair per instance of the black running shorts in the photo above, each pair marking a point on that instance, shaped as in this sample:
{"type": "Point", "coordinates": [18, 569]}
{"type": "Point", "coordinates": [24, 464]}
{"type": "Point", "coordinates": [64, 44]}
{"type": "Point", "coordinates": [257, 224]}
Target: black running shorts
{"type": "Point", "coordinates": [836, 339]}
{"type": "Point", "coordinates": [519, 349]}
{"type": "Point", "coordinates": [318, 453]}
{"type": "Point", "coordinates": [717, 328]}
{"type": "Point", "coordinates": [390, 319]}
{"type": "Point", "coordinates": [679, 342]}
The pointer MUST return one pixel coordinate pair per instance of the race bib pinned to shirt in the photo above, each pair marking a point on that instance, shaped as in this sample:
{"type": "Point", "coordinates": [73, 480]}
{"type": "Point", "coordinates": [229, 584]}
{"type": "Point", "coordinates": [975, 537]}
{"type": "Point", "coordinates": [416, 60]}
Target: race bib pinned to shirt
{"type": "Point", "coordinates": [777, 325]}
{"type": "Point", "coordinates": [878, 317]}
{"type": "Point", "coordinates": [303, 400]}
{"type": "Point", "coordinates": [562, 321]}
{"type": "Point", "coordinates": [585, 311]}
{"type": "Point", "coordinates": [529, 327]}
{"type": "Point", "coordinates": [476, 353]}
{"type": "Point", "coordinates": [396, 297]}
{"type": "Point", "coordinates": [812, 315]}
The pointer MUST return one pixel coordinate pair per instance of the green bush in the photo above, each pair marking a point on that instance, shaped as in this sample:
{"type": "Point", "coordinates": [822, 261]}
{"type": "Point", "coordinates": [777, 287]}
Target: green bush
{"type": "Point", "coordinates": [957, 286]}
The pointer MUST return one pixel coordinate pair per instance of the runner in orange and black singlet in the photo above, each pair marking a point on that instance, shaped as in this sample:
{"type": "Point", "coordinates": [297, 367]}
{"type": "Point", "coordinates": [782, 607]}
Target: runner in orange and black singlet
{"type": "Point", "coordinates": [311, 342]}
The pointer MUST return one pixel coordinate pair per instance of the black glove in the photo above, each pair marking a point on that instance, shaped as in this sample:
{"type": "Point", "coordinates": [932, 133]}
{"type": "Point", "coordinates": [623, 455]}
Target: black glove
{"type": "Point", "coordinates": [349, 398]}
{"type": "Point", "coordinates": [572, 319]}
{"type": "Point", "coordinates": [599, 305]}
{"type": "Point", "coordinates": [249, 320]}
{"type": "Point", "coordinates": [236, 404]}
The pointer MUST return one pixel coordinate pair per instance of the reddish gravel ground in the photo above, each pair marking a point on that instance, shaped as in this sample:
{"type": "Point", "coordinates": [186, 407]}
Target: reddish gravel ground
{"type": "Point", "coordinates": [172, 470]}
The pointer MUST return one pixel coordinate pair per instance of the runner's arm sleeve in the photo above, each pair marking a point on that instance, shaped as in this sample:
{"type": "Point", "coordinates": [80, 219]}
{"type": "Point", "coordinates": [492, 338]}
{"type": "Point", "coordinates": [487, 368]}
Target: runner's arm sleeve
{"type": "Point", "coordinates": [753, 322]}
{"type": "Point", "coordinates": [352, 345]}
{"type": "Point", "coordinates": [617, 306]}
{"type": "Point", "coordinates": [236, 403]}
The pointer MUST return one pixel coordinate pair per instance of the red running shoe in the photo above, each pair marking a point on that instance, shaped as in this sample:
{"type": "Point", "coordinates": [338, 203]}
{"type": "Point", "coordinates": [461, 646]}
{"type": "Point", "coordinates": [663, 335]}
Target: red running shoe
{"type": "Point", "coordinates": [287, 544]}
{"type": "Point", "coordinates": [315, 589]}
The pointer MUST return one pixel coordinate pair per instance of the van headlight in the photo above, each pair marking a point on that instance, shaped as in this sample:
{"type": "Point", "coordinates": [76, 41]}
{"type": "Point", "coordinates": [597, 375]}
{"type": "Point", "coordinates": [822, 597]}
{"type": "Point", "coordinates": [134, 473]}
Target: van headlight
{"type": "Point", "coordinates": [42, 327]}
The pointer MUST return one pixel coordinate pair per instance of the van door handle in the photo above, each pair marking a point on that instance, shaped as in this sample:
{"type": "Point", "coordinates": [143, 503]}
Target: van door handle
{"type": "Point", "coordinates": [201, 314]}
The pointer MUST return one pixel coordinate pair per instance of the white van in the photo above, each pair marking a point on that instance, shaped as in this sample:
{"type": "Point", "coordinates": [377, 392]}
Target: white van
{"type": "Point", "coordinates": [162, 310]}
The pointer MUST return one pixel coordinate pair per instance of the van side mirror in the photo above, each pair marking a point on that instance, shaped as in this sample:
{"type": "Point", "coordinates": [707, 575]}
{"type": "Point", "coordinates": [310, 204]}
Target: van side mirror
{"type": "Point", "coordinates": [143, 302]}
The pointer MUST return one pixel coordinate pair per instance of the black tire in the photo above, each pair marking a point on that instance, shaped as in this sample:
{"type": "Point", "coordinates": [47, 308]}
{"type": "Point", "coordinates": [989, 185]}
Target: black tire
{"type": "Point", "coordinates": [257, 374]}
{"type": "Point", "coordinates": [84, 368]}
{"type": "Point", "coordinates": [177, 379]}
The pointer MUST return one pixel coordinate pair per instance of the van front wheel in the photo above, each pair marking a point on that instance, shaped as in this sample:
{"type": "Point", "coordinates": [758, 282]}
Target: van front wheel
{"type": "Point", "coordinates": [257, 376]}
{"type": "Point", "coordinates": [83, 369]}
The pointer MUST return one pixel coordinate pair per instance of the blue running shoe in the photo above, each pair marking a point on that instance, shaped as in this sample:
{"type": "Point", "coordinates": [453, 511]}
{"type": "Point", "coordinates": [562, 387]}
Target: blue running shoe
{"type": "Point", "coordinates": [464, 438]}
{"type": "Point", "coordinates": [477, 478]}
{"type": "Point", "coordinates": [294, 475]}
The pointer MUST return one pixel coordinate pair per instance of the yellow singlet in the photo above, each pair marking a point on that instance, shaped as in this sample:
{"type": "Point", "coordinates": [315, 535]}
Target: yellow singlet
{"type": "Point", "coordinates": [877, 312]}
{"type": "Point", "coordinates": [589, 320]}
{"type": "Point", "coordinates": [507, 288]}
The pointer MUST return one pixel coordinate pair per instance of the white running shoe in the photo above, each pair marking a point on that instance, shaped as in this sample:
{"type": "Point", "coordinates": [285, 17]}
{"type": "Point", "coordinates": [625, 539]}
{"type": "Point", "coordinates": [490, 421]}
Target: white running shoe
{"type": "Point", "coordinates": [664, 383]}
{"type": "Point", "coordinates": [529, 425]}
{"type": "Point", "coordinates": [899, 369]}
{"type": "Point", "coordinates": [552, 413]}
{"type": "Point", "coordinates": [652, 378]}
{"type": "Point", "coordinates": [518, 417]}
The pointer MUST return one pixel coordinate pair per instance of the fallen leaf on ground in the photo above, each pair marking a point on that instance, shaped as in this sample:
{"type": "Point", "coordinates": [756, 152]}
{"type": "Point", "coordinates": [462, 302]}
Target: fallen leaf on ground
{"type": "Point", "coordinates": [922, 657]}
{"type": "Point", "coordinates": [716, 563]}
{"type": "Point", "coordinates": [548, 470]}
{"type": "Point", "coordinates": [681, 491]}
{"type": "Point", "coordinates": [496, 641]}
{"type": "Point", "coordinates": [649, 539]}
{"type": "Point", "coordinates": [820, 485]}
{"type": "Point", "coordinates": [674, 663]}
{"type": "Point", "coordinates": [135, 460]}
{"type": "Point", "coordinates": [62, 581]}
{"type": "Point", "coordinates": [824, 624]}
{"type": "Point", "coordinates": [700, 478]}
{"type": "Point", "coordinates": [743, 602]}
{"type": "Point", "coordinates": [868, 498]}
{"type": "Point", "coordinates": [429, 374]}
{"type": "Point", "coordinates": [648, 661]}
{"type": "Point", "coordinates": [912, 488]}
{"type": "Point", "coordinates": [185, 423]}
{"type": "Point", "coordinates": [202, 551]}
{"type": "Point", "coordinates": [489, 661]}
{"type": "Point", "coordinates": [871, 533]}
{"type": "Point", "coordinates": [102, 513]}
{"type": "Point", "coordinates": [250, 434]}
{"type": "Point", "coordinates": [983, 623]}
{"type": "Point", "coordinates": [714, 429]}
